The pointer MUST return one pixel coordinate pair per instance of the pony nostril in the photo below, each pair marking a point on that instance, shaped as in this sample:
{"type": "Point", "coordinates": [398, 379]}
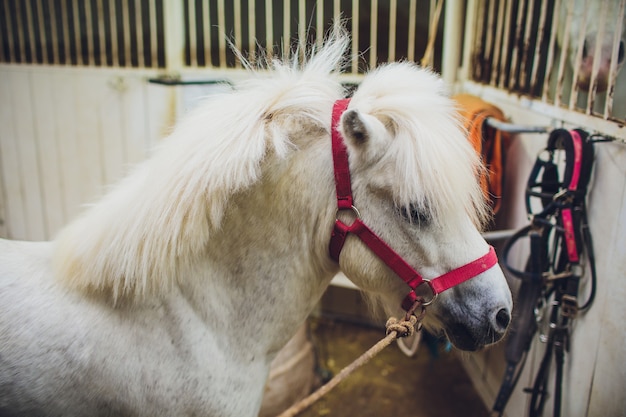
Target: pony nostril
{"type": "Point", "coordinates": [503, 318]}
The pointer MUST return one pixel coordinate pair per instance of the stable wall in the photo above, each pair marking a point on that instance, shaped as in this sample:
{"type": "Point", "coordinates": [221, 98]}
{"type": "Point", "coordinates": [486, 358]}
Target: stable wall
{"type": "Point", "coordinates": [595, 373]}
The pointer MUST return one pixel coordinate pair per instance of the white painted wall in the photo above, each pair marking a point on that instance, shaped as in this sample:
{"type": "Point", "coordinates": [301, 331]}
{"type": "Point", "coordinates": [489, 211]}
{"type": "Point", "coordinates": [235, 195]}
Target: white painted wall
{"type": "Point", "coordinates": [595, 374]}
{"type": "Point", "coordinates": [65, 133]}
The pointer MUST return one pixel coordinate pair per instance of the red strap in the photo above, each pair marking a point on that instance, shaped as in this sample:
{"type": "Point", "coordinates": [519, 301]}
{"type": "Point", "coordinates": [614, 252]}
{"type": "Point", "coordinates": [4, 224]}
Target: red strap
{"type": "Point", "coordinates": [394, 261]}
{"type": "Point", "coordinates": [340, 158]}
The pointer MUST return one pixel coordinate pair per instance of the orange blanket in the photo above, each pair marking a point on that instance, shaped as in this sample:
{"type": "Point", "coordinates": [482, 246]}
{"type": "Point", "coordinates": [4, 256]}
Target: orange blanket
{"type": "Point", "coordinates": [487, 141]}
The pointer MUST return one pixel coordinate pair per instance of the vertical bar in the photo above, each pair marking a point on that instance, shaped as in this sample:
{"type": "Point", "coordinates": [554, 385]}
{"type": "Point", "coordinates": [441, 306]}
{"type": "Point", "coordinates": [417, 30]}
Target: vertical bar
{"type": "Point", "coordinates": [563, 60]}
{"type": "Point", "coordinates": [373, 34]}
{"type": "Point", "coordinates": [489, 38]}
{"type": "Point", "coordinates": [551, 48]}
{"type": "Point", "coordinates": [193, 36]}
{"type": "Point", "coordinates": [101, 35]}
{"type": "Point", "coordinates": [336, 10]}
{"type": "Point", "coordinates": [410, 52]}
{"type": "Point", "coordinates": [525, 55]}
{"type": "Point", "coordinates": [127, 38]}
{"type": "Point", "coordinates": [89, 34]}
{"type": "Point", "coordinates": [469, 42]}
{"type": "Point", "coordinates": [77, 31]}
{"type": "Point", "coordinates": [221, 34]}
{"type": "Point", "coordinates": [542, 26]}
{"type": "Point", "coordinates": [302, 29]}
{"type": "Point", "coordinates": [42, 33]}
{"type": "Point", "coordinates": [355, 37]}
{"type": "Point", "coordinates": [286, 27]}
{"type": "Point", "coordinates": [269, 29]}
{"type": "Point", "coordinates": [579, 57]}
{"type": "Point", "coordinates": [506, 42]}
{"type": "Point", "coordinates": [19, 25]}
{"type": "Point", "coordinates": [238, 30]}
{"type": "Point", "coordinates": [496, 64]}
{"type": "Point", "coordinates": [319, 24]}
{"type": "Point", "coordinates": [141, 59]}
{"type": "Point", "coordinates": [596, 58]}
{"type": "Point", "coordinates": [114, 32]}
{"type": "Point", "coordinates": [206, 29]}
{"type": "Point", "coordinates": [174, 35]}
{"type": "Point", "coordinates": [54, 31]}
{"type": "Point", "coordinates": [451, 53]}
{"type": "Point", "coordinates": [393, 10]}
{"type": "Point", "coordinates": [610, 88]}
{"type": "Point", "coordinates": [515, 52]}
{"type": "Point", "coordinates": [153, 33]}
{"type": "Point", "coordinates": [65, 29]}
{"type": "Point", "coordinates": [252, 29]}
{"type": "Point", "coordinates": [31, 32]}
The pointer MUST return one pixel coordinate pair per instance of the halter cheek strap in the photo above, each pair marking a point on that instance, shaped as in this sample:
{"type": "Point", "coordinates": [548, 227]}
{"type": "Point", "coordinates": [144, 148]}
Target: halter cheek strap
{"type": "Point", "coordinates": [394, 261]}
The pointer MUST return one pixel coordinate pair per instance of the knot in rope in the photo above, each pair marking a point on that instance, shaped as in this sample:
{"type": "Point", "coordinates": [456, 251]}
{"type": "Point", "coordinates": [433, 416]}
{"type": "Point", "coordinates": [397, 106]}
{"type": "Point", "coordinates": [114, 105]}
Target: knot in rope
{"type": "Point", "coordinates": [403, 328]}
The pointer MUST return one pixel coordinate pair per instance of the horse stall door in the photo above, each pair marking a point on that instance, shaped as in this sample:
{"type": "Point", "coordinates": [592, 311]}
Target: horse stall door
{"type": "Point", "coordinates": [513, 59]}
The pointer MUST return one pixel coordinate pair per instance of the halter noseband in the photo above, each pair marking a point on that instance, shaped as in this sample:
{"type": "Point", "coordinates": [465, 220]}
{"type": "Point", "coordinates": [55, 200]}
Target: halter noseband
{"type": "Point", "coordinates": [394, 261]}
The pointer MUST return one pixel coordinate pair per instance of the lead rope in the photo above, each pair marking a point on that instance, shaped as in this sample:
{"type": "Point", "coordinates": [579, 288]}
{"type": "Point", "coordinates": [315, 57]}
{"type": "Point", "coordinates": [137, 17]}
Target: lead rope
{"type": "Point", "coordinates": [395, 329]}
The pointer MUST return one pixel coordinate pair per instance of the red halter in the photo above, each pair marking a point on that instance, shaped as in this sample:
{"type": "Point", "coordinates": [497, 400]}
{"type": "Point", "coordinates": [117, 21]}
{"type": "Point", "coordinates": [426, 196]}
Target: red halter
{"type": "Point", "coordinates": [394, 261]}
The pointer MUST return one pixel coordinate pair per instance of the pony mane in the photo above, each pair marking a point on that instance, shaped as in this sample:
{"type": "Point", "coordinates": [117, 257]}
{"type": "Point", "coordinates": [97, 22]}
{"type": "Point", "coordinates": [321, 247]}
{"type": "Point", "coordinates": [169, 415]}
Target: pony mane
{"type": "Point", "coordinates": [430, 145]}
{"type": "Point", "coordinates": [160, 218]}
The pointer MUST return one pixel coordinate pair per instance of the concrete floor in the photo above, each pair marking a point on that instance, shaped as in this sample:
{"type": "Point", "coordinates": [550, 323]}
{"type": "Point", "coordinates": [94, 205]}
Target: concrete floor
{"type": "Point", "coordinates": [391, 384]}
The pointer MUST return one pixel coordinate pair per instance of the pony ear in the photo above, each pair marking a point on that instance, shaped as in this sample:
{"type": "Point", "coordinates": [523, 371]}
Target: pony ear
{"type": "Point", "coordinates": [354, 126]}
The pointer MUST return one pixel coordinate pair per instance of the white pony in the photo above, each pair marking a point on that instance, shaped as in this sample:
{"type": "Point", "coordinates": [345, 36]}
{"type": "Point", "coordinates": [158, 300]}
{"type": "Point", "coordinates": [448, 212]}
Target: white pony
{"type": "Point", "coordinates": [171, 295]}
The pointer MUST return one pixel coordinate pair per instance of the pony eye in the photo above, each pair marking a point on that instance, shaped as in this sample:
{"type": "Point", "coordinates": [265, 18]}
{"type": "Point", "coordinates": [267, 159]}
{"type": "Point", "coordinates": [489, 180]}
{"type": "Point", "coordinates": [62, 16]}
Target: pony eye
{"type": "Point", "coordinates": [413, 214]}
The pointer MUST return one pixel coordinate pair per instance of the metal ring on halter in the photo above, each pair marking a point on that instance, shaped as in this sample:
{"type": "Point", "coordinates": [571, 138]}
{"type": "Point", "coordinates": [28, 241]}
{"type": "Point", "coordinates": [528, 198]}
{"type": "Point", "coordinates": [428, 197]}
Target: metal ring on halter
{"type": "Point", "coordinates": [352, 208]}
{"type": "Point", "coordinates": [435, 294]}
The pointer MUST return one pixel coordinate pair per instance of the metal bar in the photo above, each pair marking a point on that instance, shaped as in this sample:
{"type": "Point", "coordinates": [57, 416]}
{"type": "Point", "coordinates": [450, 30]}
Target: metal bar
{"type": "Point", "coordinates": [252, 30]}
{"type": "Point", "coordinates": [269, 25]}
{"type": "Point", "coordinates": [563, 59]}
{"type": "Point", "coordinates": [506, 42]}
{"type": "Point", "coordinates": [31, 32]}
{"type": "Point", "coordinates": [410, 53]}
{"type": "Point", "coordinates": [469, 42]}
{"type": "Point", "coordinates": [608, 105]}
{"type": "Point", "coordinates": [551, 49]}
{"type": "Point", "coordinates": [514, 128]}
{"type": "Point", "coordinates": [238, 29]}
{"type": "Point", "coordinates": [42, 33]}
{"type": "Point", "coordinates": [153, 34]}
{"type": "Point", "coordinates": [355, 36]}
{"type": "Point", "coordinates": [101, 34]}
{"type": "Point", "coordinates": [591, 96]}
{"type": "Point", "coordinates": [373, 34]}
{"type": "Point", "coordinates": [579, 56]}
{"type": "Point", "coordinates": [286, 27]}
{"type": "Point", "coordinates": [393, 10]}
{"type": "Point", "coordinates": [114, 32]}
{"type": "Point", "coordinates": [65, 30]}
{"type": "Point", "coordinates": [319, 22]}
{"type": "Point", "coordinates": [221, 34]}
{"type": "Point", "coordinates": [514, 53]}
{"type": "Point", "coordinates": [127, 38]}
{"type": "Point", "coordinates": [540, 34]}
{"type": "Point", "coordinates": [489, 32]}
{"type": "Point", "coordinates": [302, 29]}
{"type": "Point", "coordinates": [89, 32]}
{"type": "Point", "coordinates": [54, 34]}
{"type": "Point", "coordinates": [191, 25]}
{"type": "Point", "coordinates": [496, 64]}
{"type": "Point", "coordinates": [141, 59]}
{"type": "Point", "coordinates": [77, 31]}
{"type": "Point", "coordinates": [526, 48]}
{"type": "Point", "coordinates": [451, 52]}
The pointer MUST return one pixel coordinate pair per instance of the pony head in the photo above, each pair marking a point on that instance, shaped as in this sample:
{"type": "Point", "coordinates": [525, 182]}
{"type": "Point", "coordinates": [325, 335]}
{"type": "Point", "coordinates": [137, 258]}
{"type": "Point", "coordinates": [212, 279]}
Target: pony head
{"type": "Point", "coordinates": [414, 181]}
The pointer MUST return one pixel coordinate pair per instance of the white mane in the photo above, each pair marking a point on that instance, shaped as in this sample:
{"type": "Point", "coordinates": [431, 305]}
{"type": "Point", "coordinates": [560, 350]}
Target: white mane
{"type": "Point", "coordinates": [160, 217]}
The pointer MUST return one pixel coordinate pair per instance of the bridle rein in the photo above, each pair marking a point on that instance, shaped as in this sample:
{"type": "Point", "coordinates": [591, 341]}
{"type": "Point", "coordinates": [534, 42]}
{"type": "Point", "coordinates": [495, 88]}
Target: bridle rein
{"type": "Point", "coordinates": [394, 261]}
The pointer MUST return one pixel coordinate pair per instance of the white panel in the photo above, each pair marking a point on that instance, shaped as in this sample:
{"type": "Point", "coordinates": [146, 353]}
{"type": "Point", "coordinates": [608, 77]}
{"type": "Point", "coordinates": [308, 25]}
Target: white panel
{"type": "Point", "coordinates": [15, 213]}
{"type": "Point", "coordinates": [46, 132]}
{"type": "Point", "coordinates": [27, 154]}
